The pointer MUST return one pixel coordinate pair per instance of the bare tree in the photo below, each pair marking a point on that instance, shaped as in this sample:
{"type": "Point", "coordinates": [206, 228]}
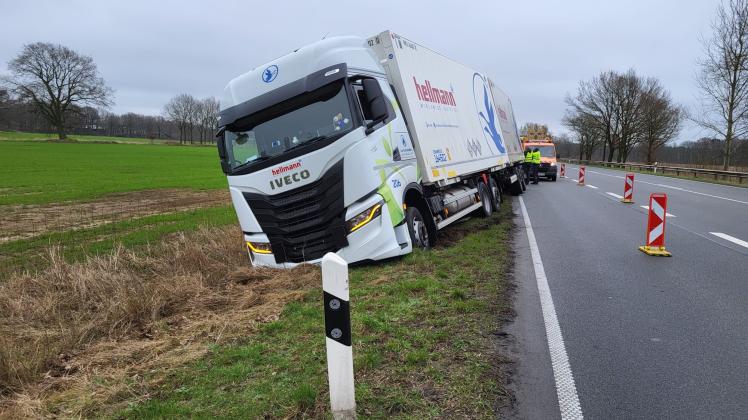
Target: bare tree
{"type": "Point", "coordinates": [587, 131]}
{"type": "Point", "coordinates": [661, 119]}
{"type": "Point", "coordinates": [207, 118]}
{"type": "Point", "coordinates": [182, 110]}
{"type": "Point", "coordinates": [596, 100]}
{"type": "Point", "coordinates": [723, 79]}
{"type": "Point", "coordinates": [57, 81]}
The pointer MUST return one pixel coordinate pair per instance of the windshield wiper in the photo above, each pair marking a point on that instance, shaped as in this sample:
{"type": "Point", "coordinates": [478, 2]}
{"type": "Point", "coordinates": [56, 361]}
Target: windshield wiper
{"type": "Point", "coordinates": [310, 141]}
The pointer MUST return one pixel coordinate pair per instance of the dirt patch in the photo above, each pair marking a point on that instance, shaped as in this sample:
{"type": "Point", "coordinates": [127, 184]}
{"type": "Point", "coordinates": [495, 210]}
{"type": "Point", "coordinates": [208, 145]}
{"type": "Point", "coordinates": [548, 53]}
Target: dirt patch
{"type": "Point", "coordinates": [27, 221]}
{"type": "Point", "coordinates": [454, 233]}
{"type": "Point", "coordinates": [76, 337]}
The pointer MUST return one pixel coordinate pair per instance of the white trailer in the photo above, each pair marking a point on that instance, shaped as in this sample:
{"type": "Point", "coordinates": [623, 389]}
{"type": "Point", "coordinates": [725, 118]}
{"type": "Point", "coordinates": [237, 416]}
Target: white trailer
{"type": "Point", "coordinates": [365, 148]}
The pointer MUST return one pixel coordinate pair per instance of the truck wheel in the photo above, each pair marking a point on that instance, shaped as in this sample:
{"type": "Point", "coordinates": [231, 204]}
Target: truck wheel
{"type": "Point", "coordinates": [525, 177]}
{"type": "Point", "coordinates": [495, 193]}
{"type": "Point", "coordinates": [523, 180]}
{"type": "Point", "coordinates": [419, 233]}
{"type": "Point", "coordinates": [485, 199]}
{"type": "Point", "coordinates": [553, 178]}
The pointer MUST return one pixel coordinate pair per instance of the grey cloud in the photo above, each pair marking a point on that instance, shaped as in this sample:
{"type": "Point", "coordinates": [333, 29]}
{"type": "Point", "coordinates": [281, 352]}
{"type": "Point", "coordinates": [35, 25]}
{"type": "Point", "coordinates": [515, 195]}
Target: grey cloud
{"type": "Point", "coordinates": [537, 51]}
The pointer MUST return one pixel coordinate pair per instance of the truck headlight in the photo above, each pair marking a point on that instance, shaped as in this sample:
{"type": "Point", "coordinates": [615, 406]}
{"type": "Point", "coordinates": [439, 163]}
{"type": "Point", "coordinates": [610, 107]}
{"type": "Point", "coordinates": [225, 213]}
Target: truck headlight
{"type": "Point", "coordinates": [260, 247]}
{"type": "Point", "coordinates": [360, 220]}
{"type": "Point", "coordinates": [553, 163]}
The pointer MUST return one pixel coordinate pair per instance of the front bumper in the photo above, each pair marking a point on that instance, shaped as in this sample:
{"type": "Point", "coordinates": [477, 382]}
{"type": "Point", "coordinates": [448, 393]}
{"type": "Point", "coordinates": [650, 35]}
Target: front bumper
{"type": "Point", "coordinates": [375, 241]}
{"type": "Point", "coordinates": [548, 171]}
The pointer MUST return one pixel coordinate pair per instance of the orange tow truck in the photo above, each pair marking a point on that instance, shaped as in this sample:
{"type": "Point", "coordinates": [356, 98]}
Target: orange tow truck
{"type": "Point", "coordinates": [537, 136]}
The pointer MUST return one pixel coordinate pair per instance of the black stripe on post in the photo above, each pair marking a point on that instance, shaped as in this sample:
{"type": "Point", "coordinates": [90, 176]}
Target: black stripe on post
{"type": "Point", "coordinates": [337, 319]}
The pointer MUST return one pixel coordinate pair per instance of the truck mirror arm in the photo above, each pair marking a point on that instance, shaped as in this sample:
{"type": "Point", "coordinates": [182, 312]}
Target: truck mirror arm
{"type": "Point", "coordinates": [370, 126]}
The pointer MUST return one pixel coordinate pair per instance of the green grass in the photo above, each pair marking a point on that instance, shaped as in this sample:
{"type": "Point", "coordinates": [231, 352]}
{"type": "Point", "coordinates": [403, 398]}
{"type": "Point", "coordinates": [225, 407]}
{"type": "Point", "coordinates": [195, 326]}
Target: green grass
{"type": "Point", "coordinates": [422, 343]}
{"type": "Point", "coordinates": [76, 245]}
{"type": "Point", "coordinates": [26, 136]}
{"type": "Point", "coordinates": [38, 173]}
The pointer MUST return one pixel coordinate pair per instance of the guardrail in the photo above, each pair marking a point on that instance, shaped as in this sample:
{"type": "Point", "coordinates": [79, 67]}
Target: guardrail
{"type": "Point", "coordinates": [665, 169]}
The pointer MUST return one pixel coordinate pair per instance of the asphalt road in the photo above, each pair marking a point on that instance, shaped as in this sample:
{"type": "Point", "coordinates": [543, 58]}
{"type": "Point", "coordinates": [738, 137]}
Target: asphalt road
{"type": "Point", "coordinates": [646, 337]}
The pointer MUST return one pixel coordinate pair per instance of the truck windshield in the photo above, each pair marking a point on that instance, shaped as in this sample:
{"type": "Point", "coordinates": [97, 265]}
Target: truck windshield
{"type": "Point", "coordinates": [547, 151]}
{"type": "Point", "coordinates": [313, 116]}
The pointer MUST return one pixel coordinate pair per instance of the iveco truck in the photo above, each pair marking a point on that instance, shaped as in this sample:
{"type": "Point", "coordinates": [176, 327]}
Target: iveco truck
{"type": "Point", "coordinates": [362, 147]}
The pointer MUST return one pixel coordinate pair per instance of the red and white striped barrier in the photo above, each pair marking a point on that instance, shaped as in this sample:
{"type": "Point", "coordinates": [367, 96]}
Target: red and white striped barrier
{"type": "Point", "coordinates": [628, 189]}
{"type": "Point", "coordinates": [656, 226]}
{"type": "Point", "coordinates": [581, 176]}
{"type": "Point", "coordinates": [563, 170]}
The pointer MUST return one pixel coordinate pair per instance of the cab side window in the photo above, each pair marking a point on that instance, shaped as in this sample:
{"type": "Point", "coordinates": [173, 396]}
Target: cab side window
{"type": "Point", "coordinates": [358, 88]}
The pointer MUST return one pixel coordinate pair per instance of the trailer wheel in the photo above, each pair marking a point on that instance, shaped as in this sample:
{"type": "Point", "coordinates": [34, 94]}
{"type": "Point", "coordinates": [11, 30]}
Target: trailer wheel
{"type": "Point", "coordinates": [485, 199]}
{"type": "Point", "coordinates": [495, 193]}
{"type": "Point", "coordinates": [419, 233]}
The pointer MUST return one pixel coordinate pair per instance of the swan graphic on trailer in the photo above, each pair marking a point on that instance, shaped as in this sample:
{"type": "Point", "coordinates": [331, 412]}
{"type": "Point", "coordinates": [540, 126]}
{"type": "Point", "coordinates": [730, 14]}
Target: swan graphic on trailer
{"type": "Point", "coordinates": [484, 105]}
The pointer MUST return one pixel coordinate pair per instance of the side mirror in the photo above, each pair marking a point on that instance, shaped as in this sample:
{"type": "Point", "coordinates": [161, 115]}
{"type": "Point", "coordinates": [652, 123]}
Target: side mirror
{"type": "Point", "coordinates": [375, 102]}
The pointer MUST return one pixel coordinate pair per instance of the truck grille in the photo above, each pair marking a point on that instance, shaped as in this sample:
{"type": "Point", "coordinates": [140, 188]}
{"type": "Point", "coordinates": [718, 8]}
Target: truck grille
{"type": "Point", "coordinates": [305, 223]}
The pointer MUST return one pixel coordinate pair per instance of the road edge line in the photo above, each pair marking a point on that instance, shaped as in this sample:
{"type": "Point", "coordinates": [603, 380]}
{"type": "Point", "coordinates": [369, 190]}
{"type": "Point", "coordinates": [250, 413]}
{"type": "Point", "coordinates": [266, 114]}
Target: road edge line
{"type": "Point", "coordinates": [568, 400]}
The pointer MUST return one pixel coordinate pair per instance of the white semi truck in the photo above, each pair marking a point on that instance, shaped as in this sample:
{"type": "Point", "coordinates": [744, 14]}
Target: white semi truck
{"type": "Point", "coordinates": [363, 147]}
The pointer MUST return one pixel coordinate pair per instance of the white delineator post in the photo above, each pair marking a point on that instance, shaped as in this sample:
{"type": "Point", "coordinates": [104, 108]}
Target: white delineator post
{"type": "Point", "coordinates": [338, 340]}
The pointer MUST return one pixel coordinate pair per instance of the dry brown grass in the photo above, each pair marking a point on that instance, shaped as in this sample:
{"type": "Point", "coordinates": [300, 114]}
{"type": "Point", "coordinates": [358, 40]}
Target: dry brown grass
{"type": "Point", "coordinates": [76, 336]}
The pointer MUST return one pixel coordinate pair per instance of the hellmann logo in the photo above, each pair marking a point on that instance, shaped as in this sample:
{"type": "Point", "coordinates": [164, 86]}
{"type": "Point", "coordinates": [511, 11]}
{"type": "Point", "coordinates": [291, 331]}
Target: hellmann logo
{"type": "Point", "coordinates": [431, 94]}
{"type": "Point", "coordinates": [289, 178]}
{"type": "Point", "coordinates": [285, 168]}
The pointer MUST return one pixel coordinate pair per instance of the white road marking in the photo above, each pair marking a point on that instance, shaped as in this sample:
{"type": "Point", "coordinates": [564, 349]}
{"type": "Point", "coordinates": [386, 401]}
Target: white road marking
{"type": "Point", "coordinates": [620, 197]}
{"type": "Point", "coordinates": [566, 389]}
{"type": "Point", "coordinates": [592, 186]}
{"type": "Point", "coordinates": [678, 188]}
{"type": "Point", "coordinates": [730, 238]}
{"type": "Point", "coordinates": [668, 214]}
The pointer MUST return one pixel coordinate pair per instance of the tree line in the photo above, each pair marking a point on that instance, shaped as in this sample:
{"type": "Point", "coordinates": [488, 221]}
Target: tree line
{"type": "Point", "coordinates": [616, 114]}
{"type": "Point", "coordinates": [53, 89]}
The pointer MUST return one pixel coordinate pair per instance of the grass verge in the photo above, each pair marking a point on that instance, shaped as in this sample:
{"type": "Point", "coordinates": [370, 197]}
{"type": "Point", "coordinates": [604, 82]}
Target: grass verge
{"type": "Point", "coordinates": [422, 337]}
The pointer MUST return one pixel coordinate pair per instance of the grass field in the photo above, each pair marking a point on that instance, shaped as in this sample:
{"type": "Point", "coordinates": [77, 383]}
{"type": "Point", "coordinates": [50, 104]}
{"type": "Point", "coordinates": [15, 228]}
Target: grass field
{"type": "Point", "coordinates": [38, 173]}
{"type": "Point", "coordinates": [26, 136]}
{"type": "Point", "coordinates": [90, 197]}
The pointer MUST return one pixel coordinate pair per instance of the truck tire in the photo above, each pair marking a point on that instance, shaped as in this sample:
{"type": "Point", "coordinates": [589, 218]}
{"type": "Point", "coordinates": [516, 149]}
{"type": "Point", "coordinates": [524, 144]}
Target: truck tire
{"type": "Point", "coordinates": [522, 180]}
{"type": "Point", "coordinates": [495, 194]}
{"type": "Point", "coordinates": [525, 176]}
{"type": "Point", "coordinates": [419, 233]}
{"type": "Point", "coordinates": [553, 178]}
{"type": "Point", "coordinates": [485, 198]}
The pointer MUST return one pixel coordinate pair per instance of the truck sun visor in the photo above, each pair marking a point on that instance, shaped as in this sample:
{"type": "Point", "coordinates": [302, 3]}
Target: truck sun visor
{"type": "Point", "coordinates": [306, 84]}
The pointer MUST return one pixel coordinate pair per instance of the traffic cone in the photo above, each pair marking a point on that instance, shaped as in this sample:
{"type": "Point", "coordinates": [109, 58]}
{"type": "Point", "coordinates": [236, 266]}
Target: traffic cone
{"type": "Point", "coordinates": [656, 226]}
{"type": "Point", "coordinates": [628, 189]}
{"type": "Point", "coordinates": [581, 176]}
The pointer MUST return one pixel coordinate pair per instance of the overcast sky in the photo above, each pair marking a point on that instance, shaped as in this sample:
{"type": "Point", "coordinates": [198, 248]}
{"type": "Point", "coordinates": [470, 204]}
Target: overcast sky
{"type": "Point", "coordinates": [537, 51]}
